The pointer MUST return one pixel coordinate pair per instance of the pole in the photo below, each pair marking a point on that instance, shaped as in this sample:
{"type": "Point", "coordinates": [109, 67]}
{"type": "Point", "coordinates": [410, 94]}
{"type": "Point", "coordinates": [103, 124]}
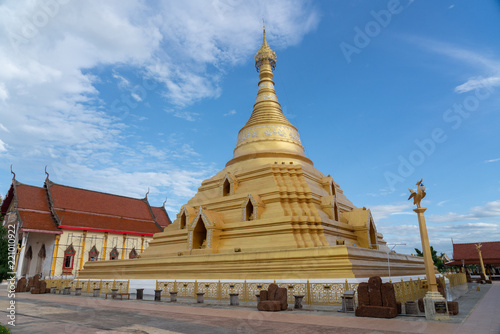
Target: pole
{"type": "Point", "coordinates": [426, 250]}
{"type": "Point", "coordinates": [478, 247]}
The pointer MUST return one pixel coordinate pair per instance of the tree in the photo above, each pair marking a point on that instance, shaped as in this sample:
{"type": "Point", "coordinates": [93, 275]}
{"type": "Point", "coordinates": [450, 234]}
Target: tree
{"type": "Point", "coordinates": [438, 262]}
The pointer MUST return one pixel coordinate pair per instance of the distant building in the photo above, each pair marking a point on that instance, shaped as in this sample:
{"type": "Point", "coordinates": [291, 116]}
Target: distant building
{"type": "Point", "coordinates": [466, 254]}
{"type": "Point", "coordinates": [59, 228]}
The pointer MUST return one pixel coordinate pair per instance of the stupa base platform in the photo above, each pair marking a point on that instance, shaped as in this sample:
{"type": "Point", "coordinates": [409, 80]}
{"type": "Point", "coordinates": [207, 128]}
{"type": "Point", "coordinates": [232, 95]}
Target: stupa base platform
{"type": "Point", "coordinates": [306, 263]}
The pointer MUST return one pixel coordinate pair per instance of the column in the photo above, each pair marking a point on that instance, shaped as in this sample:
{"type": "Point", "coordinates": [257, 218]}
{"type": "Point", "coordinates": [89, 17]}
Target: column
{"type": "Point", "coordinates": [54, 257]}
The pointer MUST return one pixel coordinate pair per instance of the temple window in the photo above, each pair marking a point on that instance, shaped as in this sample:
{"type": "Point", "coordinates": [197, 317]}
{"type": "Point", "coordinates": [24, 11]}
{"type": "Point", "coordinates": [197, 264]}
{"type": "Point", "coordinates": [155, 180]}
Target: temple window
{"type": "Point", "coordinates": [41, 258]}
{"type": "Point", "coordinates": [199, 235]}
{"type": "Point", "coordinates": [113, 255]}
{"type": "Point", "coordinates": [27, 261]}
{"type": "Point", "coordinates": [340, 242]}
{"type": "Point", "coordinates": [133, 254]}
{"type": "Point", "coordinates": [249, 211]}
{"type": "Point", "coordinates": [226, 188]}
{"type": "Point", "coordinates": [69, 259]}
{"type": "Point", "coordinates": [93, 254]}
{"type": "Point", "coordinates": [183, 221]}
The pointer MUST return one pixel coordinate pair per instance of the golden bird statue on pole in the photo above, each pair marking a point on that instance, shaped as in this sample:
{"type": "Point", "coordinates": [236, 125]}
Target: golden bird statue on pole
{"type": "Point", "coordinates": [419, 194]}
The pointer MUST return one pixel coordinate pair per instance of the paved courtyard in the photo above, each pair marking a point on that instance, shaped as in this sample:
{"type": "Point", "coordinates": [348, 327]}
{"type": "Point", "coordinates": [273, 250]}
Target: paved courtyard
{"type": "Point", "coordinates": [479, 313]}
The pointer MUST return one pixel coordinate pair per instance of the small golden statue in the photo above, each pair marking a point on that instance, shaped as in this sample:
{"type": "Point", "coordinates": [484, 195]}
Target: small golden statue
{"type": "Point", "coordinates": [419, 194]}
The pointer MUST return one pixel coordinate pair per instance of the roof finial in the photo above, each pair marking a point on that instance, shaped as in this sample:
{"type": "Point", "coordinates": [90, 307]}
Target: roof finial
{"type": "Point", "coordinates": [265, 52]}
{"type": "Point", "coordinates": [13, 174]}
{"type": "Point", "coordinates": [46, 173]}
{"type": "Point", "coordinates": [165, 201]}
{"type": "Point", "coordinates": [147, 194]}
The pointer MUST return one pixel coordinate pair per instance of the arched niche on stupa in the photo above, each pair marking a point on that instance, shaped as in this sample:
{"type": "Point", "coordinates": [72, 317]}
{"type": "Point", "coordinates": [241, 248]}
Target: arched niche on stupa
{"type": "Point", "coordinates": [228, 185]}
{"type": "Point", "coordinates": [185, 216]}
{"type": "Point", "coordinates": [252, 208]}
{"type": "Point", "coordinates": [201, 231]}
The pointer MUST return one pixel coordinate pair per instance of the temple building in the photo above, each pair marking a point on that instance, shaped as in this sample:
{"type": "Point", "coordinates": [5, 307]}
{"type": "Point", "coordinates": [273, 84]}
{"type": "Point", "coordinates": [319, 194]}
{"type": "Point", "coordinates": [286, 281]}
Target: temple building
{"type": "Point", "coordinates": [466, 254]}
{"type": "Point", "coordinates": [269, 214]}
{"type": "Point", "coordinates": [59, 228]}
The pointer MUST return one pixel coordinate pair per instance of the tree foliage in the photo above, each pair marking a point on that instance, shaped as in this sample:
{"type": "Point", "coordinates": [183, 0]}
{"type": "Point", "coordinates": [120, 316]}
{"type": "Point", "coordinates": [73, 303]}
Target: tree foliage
{"type": "Point", "coordinates": [438, 260]}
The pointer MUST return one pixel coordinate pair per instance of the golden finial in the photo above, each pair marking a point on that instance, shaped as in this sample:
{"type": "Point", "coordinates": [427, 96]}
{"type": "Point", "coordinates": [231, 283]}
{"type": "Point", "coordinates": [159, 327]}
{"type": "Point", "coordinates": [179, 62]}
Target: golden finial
{"type": "Point", "coordinates": [265, 52]}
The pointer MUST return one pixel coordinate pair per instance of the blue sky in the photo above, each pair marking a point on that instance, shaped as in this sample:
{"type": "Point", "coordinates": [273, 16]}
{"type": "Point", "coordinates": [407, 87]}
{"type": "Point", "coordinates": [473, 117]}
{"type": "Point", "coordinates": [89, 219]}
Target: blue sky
{"type": "Point", "coordinates": [122, 96]}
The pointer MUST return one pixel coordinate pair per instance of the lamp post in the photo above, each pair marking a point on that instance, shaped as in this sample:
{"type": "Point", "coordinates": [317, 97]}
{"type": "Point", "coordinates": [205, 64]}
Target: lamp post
{"type": "Point", "coordinates": [388, 251]}
{"type": "Point", "coordinates": [436, 307]}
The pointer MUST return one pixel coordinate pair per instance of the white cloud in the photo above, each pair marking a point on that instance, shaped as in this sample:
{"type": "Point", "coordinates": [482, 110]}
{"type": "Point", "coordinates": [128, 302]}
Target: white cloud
{"type": "Point", "coordinates": [186, 115]}
{"type": "Point", "coordinates": [492, 160]}
{"type": "Point", "coordinates": [476, 83]}
{"type": "Point", "coordinates": [380, 212]}
{"type": "Point", "coordinates": [4, 95]}
{"type": "Point", "coordinates": [53, 103]}
{"type": "Point", "coordinates": [490, 67]}
{"type": "Point", "coordinates": [490, 209]}
{"type": "Point", "coordinates": [3, 147]}
{"type": "Point", "coordinates": [230, 113]}
{"type": "Point", "coordinates": [136, 97]}
{"type": "Point", "coordinates": [479, 225]}
{"type": "Point", "coordinates": [122, 82]}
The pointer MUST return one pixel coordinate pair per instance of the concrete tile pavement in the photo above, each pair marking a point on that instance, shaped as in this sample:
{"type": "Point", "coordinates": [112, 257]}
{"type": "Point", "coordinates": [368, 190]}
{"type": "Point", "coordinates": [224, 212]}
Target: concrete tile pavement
{"type": "Point", "coordinates": [75, 315]}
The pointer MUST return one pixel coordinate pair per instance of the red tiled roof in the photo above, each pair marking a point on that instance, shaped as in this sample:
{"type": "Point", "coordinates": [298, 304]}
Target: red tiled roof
{"type": "Point", "coordinates": [490, 251]}
{"type": "Point", "coordinates": [120, 224]}
{"type": "Point", "coordinates": [33, 208]}
{"type": "Point", "coordinates": [30, 197]}
{"type": "Point", "coordinates": [161, 215]}
{"type": "Point", "coordinates": [37, 221]}
{"type": "Point", "coordinates": [70, 198]}
{"type": "Point", "coordinates": [82, 209]}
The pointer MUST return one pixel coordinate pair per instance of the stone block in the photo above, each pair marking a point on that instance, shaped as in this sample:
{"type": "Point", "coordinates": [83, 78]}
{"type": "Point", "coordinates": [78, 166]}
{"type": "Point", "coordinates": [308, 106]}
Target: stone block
{"type": "Point", "coordinates": [281, 296]}
{"type": "Point", "coordinates": [453, 308]}
{"type": "Point", "coordinates": [363, 297]}
{"type": "Point", "coordinates": [374, 284]}
{"type": "Point", "coordinates": [271, 291]}
{"type": "Point", "coordinates": [21, 285]}
{"type": "Point", "coordinates": [42, 286]}
{"type": "Point", "coordinates": [269, 306]}
{"type": "Point", "coordinates": [411, 307]}
{"type": "Point", "coordinates": [376, 311]}
{"type": "Point", "coordinates": [263, 295]}
{"type": "Point", "coordinates": [388, 295]}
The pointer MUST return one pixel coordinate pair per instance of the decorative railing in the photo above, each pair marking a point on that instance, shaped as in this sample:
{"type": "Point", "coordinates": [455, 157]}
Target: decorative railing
{"type": "Point", "coordinates": [88, 286]}
{"type": "Point", "coordinates": [314, 293]}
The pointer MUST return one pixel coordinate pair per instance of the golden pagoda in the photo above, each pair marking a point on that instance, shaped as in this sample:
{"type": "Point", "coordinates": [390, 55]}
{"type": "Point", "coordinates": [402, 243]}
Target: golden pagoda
{"type": "Point", "coordinates": [269, 214]}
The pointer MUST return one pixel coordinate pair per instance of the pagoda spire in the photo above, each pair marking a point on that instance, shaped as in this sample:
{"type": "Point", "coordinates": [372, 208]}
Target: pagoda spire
{"type": "Point", "coordinates": [267, 133]}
